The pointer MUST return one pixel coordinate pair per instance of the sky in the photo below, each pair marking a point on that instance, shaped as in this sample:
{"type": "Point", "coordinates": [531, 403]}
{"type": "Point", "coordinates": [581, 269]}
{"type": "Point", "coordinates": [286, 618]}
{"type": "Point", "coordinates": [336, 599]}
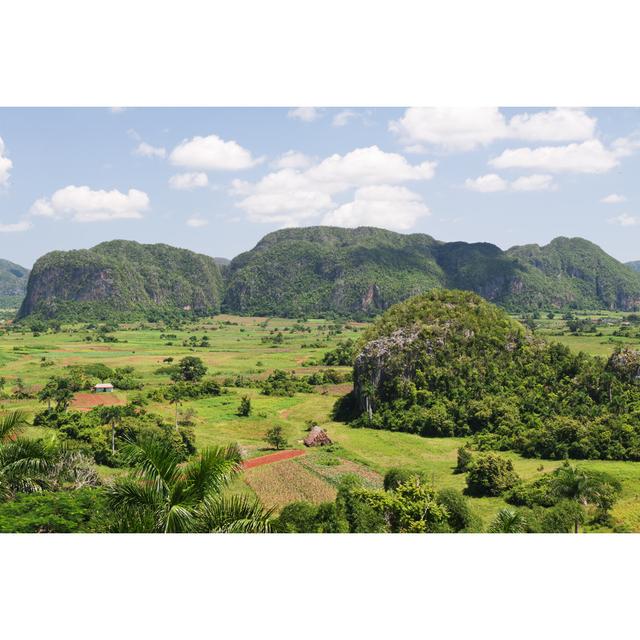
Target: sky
{"type": "Point", "coordinates": [216, 180]}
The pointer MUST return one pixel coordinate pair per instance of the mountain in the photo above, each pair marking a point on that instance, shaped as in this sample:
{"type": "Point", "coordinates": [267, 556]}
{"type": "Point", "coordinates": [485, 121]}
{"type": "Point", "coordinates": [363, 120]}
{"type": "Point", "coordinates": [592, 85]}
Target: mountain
{"type": "Point", "coordinates": [317, 270]}
{"type": "Point", "coordinates": [634, 264]}
{"type": "Point", "coordinates": [324, 271]}
{"type": "Point", "coordinates": [121, 279]}
{"type": "Point", "coordinates": [13, 283]}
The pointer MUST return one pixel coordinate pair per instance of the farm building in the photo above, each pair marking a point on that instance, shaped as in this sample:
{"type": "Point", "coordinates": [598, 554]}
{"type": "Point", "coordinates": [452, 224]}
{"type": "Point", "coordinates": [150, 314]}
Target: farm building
{"type": "Point", "coordinates": [317, 438]}
{"type": "Point", "coordinates": [103, 387]}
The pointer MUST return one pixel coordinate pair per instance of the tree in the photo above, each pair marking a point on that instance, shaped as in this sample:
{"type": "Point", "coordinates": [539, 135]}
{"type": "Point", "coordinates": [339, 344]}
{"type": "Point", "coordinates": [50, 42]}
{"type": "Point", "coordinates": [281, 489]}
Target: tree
{"type": "Point", "coordinates": [47, 393]}
{"type": "Point", "coordinates": [59, 390]}
{"type": "Point", "coordinates": [276, 438]}
{"type": "Point", "coordinates": [586, 488]}
{"type": "Point", "coordinates": [465, 458]}
{"type": "Point", "coordinates": [112, 416]}
{"type": "Point", "coordinates": [490, 475]}
{"type": "Point", "coordinates": [175, 394]}
{"type": "Point", "coordinates": [162, 496]}
{"type": "Point", "coordinates": [190, 369]}
{"type": "Point", "coordinates": [244, 410]}
{"type": "Point", "coordinates": [508, 521]}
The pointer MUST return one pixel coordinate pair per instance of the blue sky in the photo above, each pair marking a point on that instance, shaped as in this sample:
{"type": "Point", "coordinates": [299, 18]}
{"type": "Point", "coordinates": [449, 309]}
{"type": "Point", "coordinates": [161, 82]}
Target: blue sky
{"type": "Point", "coordinates": [216, 180]}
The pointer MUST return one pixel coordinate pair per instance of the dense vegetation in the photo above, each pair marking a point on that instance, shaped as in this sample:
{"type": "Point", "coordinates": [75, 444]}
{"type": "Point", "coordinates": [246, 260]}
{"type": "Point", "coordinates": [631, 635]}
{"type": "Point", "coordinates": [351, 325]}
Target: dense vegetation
{"type": "Point", "coordinates": [325, 270]}
{"type": "Point", "coordinates": [450, 364]}
{"type": "Point", "coordinates": [122, 280]}
{"type": "Point", "coordinates": [13, 284]}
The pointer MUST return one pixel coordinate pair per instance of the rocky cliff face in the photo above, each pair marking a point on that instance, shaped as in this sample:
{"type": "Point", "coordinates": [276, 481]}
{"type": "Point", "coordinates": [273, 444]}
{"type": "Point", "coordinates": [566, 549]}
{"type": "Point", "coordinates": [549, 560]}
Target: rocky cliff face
{"type": "Point", "coordinates": [122, 277]}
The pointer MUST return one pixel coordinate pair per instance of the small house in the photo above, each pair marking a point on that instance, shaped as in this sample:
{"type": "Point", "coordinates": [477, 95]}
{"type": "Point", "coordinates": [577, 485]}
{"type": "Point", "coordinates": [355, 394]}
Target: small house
{"type": "Point", "coordinates": [103, 387]}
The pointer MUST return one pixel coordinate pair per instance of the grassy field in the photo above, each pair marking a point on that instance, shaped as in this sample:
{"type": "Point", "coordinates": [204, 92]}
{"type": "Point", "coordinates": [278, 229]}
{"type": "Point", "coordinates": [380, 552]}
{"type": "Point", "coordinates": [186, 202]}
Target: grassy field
{"type": "Point", "coordinates": [243, 346]}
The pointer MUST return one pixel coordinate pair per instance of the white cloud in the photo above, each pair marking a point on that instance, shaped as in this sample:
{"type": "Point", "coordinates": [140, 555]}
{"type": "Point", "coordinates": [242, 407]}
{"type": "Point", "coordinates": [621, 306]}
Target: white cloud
{"type": "Point", "coordinates": [197, 221]}
{"type": "Point", "coordinates": [5, 165]}
{"type": "Point", "coordinates": [188, 181]}
{"type": "Point", "coordinates": [117, 109]}
{"type": "Point", "coordinates": [290, 196]}
{"type": "Point", "coordinates": [623, 147]}
{"type": "Point", "coordinates": [15, 227]}
{"type": "Point", "coordinates": [341, 119]}
{"type": "Point", "coordinates": [148, 151]}
{"type": "Point", "coordinates": [586, 157]}
{"type": "Point", "coordinates": [613, 198]}
{"type": "Point", "coordinates": [380, 206]}
{"type": "Point", "coordinates": [368, 165]}
{"type": "Point", "coordinates": [452, 128]}
{"type": "Point", "coordinates": [535, 182]}
{"type": "Point", "coordinates": [306, 114]}
{"type": "Point", "coordinates": [625, 220]}
{"type": "Point", "coordinates": [212, 153]}
{"type": "Point", "coordinates": [490, 183]}
{"type": "Point", "coordinates": [82, 204]}
{"type": "Point", "coordinates": [556, 125]}
{"type": "Point", "coordinates": [464, 129]}
{"type": "Point", "coordinates": [292, 160]}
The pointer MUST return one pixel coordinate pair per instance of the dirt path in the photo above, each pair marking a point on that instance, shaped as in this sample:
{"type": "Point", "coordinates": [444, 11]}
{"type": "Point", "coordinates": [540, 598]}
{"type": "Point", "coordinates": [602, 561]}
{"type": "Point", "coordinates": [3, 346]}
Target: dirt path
{"type": "Point", "coordinates": [273, 457]}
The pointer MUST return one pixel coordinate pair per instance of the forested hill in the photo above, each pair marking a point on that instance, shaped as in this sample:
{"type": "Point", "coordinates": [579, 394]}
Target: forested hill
{"type": "Point", "coordinates": [121, 279]}
{"type": "Point", "coordinates": [13, 283]}
{"type": "Point", "coordinates": [634, 264]}
{"type": "Point", "coordinates": [365, 270]}
{"type": "Point", "coordinates": [326, 270]}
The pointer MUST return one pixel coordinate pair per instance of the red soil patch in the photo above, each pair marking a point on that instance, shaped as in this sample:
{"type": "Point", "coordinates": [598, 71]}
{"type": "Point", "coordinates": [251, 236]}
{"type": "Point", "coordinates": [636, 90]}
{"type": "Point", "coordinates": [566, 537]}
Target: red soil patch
{"type": "Point", "coordinates": [87, 401]}
{"type": "Point", "coordinates": [272, 457]}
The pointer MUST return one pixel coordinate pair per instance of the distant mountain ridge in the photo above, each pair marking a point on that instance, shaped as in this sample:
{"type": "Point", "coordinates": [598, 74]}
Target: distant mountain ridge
{"type": "Point", "coordinates": [13, 283]}
{"type": "Point", "coordinates": [325, 271]}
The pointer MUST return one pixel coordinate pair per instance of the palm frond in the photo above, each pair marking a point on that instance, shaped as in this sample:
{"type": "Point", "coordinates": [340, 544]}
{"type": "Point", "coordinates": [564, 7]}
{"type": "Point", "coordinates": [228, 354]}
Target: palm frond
{"type": "Point", "coordinates": [12, 424]}
{"type": "Point", "coordinates": [234, 514]}
{"type": "Point", "coordinates": [211, 471]}
{"type": "Point", "coordinates": [154, 460]}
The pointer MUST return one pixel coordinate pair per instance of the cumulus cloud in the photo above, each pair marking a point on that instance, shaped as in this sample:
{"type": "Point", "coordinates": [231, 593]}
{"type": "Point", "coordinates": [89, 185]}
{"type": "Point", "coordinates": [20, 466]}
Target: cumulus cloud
{"type": "Point", "coordinates": [625, 220]}
{"type": "Point", "coordinates": [188, 181]}
{"type": "Point", "coordinates": [613, 198]}
{"type": "Point", "coordinates": [212, 153]}
{"type": "Point", "coordinates": [148, 151]}
{"type": "Point", "coordinates": [586, 157]}
{"type": "Point", "coordinates": [464, 129]}
{"type": "Point", "coordinates": [5, 165]}
{"type": "Point", "coordinates": [535, 182]}
{"type": "Point", "coordinates": [492, 183]}
{"type": "Point", "coordinates": [305, 114]}
{"type": "Point", "coordinates": [291, 160]}
{"type": "Point", "coordinates": [197, 221]}
{"type": "Point", "coordinates": [380, 206]}
{"type": "Point", "coordinates": [290, 196]}
{"type": "Point", "coordinates": [82, 204]}
{"type": "Point", "coordinates": [486, 184]}
{"type": "Point", "coordinates": [15, 227]}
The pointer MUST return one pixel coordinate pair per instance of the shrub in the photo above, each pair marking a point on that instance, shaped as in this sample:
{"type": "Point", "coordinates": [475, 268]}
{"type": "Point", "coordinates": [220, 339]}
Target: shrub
{"type": "Point", "coordinates": [490, 475]}
{"type": "Point", "coordinates": [460, 515]}
{"type": "Point", "coordinates": [465, 458]}
{"type": "Point", "coordinates": [396, 476]}
{"type": "Point", "coordinates": [244, 409]}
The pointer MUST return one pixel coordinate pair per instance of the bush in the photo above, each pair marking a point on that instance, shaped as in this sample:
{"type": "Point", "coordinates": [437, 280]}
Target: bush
{"type": "Point", "coordinates": [461, 517]}
{"type": "Point", "coordinates": [244, 410]}
{"type": "Point", "coordinates": [490, 475]}
{"type": "Point", "coordinates": [396, 476]}
{"type": "Point", "coordinates": [465, 458]}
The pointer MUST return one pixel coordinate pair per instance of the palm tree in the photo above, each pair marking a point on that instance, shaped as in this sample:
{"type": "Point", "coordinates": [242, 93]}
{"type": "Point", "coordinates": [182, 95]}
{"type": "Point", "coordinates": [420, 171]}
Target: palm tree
{"type": "Point", "coordinates": [24, 464]}
{"type": "Point", "coordinates": [573, 484]}
{"type": "Point", "coordinates": [163, 496]}
{"type": "Point", "coordinates": [508, 521]}
{"type": "Point", "coordinates": [175, 394]}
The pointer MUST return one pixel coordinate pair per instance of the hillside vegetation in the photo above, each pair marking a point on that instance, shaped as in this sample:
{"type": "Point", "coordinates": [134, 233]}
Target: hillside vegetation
{"type": "Point", "coordinates": [324, 271]}
{"type": "Point", "coordinates": [13, 283]}
{"type": "Point", "coordinates": [122, 279]}
{"type": "Point", "coordinates": [448, 363]}
{"type": "Point", "coordinates": [363, 271]}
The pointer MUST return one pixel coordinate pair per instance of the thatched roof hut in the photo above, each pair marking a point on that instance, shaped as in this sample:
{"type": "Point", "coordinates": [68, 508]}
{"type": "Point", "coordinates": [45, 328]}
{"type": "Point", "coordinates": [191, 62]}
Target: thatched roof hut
{"type": "Point", "coordinates": [317, 438]}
